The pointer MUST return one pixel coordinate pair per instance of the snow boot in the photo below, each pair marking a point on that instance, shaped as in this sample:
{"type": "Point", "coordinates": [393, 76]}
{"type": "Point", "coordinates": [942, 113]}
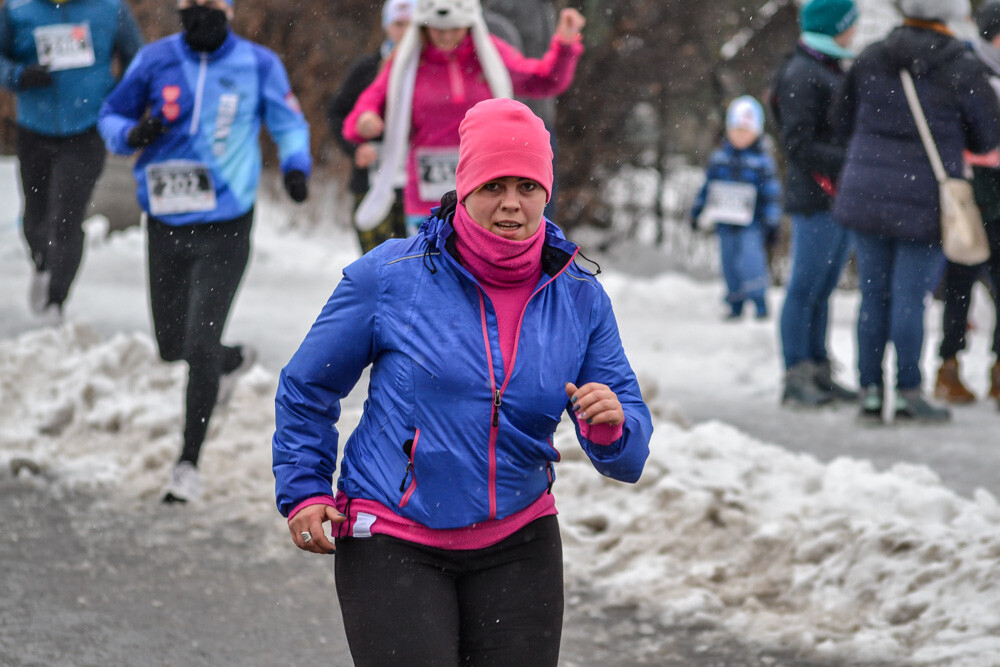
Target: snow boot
{"type": "Point", "coordinates": [912, 406]}
{"type": "Point", "coordinates": [870, 400]}
{"type": "Point", "coordinates": [824, 380]}
{"type": "Point", "coordinates": [995, 382]}
{"type": "Point", "coordinates": [949, 387]}
{"type": "Point", "coordinates": [800, 387]}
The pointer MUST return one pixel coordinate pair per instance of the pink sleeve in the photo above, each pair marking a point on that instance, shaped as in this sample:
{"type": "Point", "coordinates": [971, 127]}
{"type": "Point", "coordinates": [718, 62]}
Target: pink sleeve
{"type": "Point", "coordinates": [541, 77]}
{"type": "Point", "coordinates": [601, 434]}
{"type": "Point", "coordinates": [372, 98]}
{"type": "Point", "coordinates": [315, 500]}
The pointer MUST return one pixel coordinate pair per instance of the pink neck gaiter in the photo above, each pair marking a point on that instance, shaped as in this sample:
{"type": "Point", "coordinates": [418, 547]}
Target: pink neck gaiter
{"type": "Point", "coordinates": [507, 270]}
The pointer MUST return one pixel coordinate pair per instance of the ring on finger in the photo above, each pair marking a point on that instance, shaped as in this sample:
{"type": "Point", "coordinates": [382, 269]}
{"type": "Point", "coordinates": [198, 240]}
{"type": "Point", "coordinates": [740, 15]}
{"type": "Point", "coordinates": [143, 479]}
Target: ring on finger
{"type": "Point", "coordinates": [306, 536]}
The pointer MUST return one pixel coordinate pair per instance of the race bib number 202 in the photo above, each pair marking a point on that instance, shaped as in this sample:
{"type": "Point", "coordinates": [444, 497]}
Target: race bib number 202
{"type": "Point", "coordinates": [179, 186]}
{"type": "Point", "coordinates": [64, 46]}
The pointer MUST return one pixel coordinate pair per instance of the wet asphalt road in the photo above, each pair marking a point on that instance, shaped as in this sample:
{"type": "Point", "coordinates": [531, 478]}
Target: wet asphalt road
{"type": "Point", "coordinates": [82, 583]}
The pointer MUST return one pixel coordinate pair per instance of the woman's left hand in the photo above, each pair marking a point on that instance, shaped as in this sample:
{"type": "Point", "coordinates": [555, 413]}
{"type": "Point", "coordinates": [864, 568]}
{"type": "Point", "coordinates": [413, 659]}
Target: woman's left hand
{"type": "Point", "coordinates": [570, 26]}
{"type": "Point", "coordinates": [595, 403]}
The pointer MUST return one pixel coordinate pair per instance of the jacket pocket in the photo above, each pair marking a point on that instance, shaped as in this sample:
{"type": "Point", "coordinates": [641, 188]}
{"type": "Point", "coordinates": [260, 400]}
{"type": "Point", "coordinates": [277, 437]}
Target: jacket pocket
{"type": "Point", "coordinates": [410, 475]}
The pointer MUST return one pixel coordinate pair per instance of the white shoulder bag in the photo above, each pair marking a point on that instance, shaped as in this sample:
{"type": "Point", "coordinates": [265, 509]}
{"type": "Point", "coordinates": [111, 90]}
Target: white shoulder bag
{"type": "Point", "coordinates": [963, 236]}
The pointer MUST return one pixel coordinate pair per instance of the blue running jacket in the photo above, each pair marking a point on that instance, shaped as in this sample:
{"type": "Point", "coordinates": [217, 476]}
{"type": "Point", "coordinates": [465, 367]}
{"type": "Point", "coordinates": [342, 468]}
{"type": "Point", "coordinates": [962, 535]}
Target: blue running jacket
{"type": "Point", "coordinates": [77, 41]}
{"type": "Point", "coordinates": [447, 439]}
{"type": "Point", "coordinates": [206, 167]}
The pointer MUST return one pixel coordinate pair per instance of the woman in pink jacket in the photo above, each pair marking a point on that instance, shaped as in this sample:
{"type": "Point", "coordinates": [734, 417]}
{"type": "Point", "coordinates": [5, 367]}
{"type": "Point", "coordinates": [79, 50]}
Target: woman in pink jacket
{"type": "Point", "coordinates": [445, 64]}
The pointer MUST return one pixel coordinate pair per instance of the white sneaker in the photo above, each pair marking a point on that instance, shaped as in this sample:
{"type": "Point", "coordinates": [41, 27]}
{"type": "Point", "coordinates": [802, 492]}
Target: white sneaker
{"type": "Point", "coordinates": [51, 315]}
{"type": "Point", "coordinates": [227, 383]}
{"type": "Point", "coordinates": [38, 292]}
{"type": "Point", "coordinates": [184, 484]}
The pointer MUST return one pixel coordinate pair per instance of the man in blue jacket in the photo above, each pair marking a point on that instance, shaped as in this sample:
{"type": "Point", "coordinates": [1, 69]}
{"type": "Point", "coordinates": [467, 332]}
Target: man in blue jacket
{"type": "Point", "coordinates": [56, 56]}
{"type": "Point", "coordinates": [193, 103]}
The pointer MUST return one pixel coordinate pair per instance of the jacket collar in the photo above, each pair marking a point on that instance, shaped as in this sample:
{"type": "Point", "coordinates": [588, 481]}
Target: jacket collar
{"type": "Point", "coordinates": [221, 52]}
{"type": "Point", "coordinates": [439, 233]}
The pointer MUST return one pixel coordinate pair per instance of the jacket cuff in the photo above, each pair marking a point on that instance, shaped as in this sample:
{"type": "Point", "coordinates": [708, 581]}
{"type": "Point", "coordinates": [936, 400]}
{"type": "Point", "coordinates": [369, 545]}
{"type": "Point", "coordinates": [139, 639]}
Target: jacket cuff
{"type": "Point", "coordinates": [315, 500]}
{"type": "Point", "coordinates": [601, 434]}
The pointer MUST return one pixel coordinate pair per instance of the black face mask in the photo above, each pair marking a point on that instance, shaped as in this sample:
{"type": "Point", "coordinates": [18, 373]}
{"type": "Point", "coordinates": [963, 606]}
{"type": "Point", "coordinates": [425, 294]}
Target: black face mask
{"type": "Point", "coordinates": [205, 28]}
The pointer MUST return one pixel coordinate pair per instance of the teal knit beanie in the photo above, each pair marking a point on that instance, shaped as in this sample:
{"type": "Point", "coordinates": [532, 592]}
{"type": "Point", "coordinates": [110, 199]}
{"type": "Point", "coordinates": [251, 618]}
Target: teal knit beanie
{"type": "Point", "coordinates": [828, 17]}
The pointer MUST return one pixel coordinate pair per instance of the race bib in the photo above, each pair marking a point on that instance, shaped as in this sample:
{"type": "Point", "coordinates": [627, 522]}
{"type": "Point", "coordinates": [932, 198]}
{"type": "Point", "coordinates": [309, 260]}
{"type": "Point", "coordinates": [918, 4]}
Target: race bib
{"type": "Point", "coordinates": [729, 203]}
{"type": "Point", "coordinates": [179, 186]}
{"type": "Point", "coordinates": [64, 46]}
{"type": "Point", "coordinates": [398, 179]}
{"type": "Point", "coordinates": [436, 169]}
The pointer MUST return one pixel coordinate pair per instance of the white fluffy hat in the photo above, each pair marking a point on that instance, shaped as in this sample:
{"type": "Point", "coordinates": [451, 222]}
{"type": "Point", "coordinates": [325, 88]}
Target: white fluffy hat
{"type": "Point", "coordinates": [446, 14]}
{"type": "Point", "coordinates": [942, 10]}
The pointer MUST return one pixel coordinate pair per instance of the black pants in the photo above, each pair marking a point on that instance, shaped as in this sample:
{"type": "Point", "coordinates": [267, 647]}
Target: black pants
{"type": "Point", "coordinates": [406, 604]}
{"type": "Point", "coordinates": [58, 175]}
{"type": "Point", "coordinates": [194, 272]}
{"type": "Point", "coordinates": [393, 227]}
{"type": "Point", "coordinates": [958, 282]}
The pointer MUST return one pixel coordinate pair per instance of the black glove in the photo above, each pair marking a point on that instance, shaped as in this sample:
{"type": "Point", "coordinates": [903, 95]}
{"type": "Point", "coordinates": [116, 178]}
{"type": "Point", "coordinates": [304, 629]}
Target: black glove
{"type": "Point", "coordinates": [145, 132]}
{"type": "Point", "coordinates": [296, 186]}
{"type": "Point", "coordinates": [34, 76]}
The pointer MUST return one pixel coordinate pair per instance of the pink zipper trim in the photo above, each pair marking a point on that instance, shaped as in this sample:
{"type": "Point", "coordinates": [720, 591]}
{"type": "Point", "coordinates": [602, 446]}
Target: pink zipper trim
{"type": "Point", "coordinates": [455, 78]}
{"type": "Point", "coordinates": [498, 393]}
{"type": "Point", "coordinates": [494, 418]}
{"type": "Point", "coordinates": [413, 471]}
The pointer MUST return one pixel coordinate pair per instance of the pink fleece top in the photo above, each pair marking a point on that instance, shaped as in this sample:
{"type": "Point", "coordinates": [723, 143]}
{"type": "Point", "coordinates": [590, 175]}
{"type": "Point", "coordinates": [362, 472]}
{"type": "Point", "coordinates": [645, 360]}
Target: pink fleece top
{"type": "Point", "coordinates": [449, 83]}
{"type": "Point", "coordinates": [508, 272]}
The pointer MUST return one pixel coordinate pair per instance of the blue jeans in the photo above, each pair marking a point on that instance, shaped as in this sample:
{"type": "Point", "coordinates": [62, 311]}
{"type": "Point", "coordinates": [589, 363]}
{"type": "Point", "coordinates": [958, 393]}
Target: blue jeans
{"type": "Point", "coordinates": [819, 250]}
{"type": "Point", "coordinates": [894, 276]}
{"type": "Point", "coordinates": [744, 266]}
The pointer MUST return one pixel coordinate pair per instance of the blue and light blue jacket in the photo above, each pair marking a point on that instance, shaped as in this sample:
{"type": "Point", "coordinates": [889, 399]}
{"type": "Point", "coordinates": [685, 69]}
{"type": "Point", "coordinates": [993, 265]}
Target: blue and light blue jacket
{"type": "Point", "coordinates": [211, 105]}
{"type": "Point", "coordinates": [449, 437]}
{"type": "Point", "coordinates": [750, 165]}
{"type": "Point", "coordinates": [70, 104]}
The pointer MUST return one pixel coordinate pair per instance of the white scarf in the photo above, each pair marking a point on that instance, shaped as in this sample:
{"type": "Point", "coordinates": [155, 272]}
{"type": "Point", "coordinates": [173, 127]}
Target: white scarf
{"type": "Point", "coordinates": [399, 108]}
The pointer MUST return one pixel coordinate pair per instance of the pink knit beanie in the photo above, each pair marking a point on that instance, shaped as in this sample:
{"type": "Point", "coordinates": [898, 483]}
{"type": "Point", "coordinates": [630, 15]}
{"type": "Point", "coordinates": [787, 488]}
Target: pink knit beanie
{"type": "Point", "coordinates": [502, 137]}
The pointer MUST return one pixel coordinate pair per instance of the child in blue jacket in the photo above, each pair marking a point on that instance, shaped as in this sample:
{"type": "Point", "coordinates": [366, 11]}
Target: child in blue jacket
{"type": "Point", "coordinates": [741, 201]}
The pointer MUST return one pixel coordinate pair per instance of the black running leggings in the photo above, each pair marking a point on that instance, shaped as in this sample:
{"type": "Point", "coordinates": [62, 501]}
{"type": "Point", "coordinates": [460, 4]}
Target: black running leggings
{"type": "Point", "coordinates": [407, 604]}
{"type": "Point", "coordinates": [958, 283]}
{"type": "Point", "coordinates": [58, 175]}
{"type": "Point", "coordinates": [194, 272]}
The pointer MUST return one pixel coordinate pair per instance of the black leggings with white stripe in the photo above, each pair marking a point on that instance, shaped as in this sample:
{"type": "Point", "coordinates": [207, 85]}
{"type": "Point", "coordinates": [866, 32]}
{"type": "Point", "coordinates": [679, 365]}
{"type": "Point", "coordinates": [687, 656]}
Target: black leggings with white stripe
{"type": "Point", "coordinates": [407, 604]}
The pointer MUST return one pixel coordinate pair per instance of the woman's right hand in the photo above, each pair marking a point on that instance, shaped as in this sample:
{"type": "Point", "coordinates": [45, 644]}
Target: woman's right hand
{"type": "Point", "coordinates": [369, 125]}
{"type": "Point", "coordinates": [570, 25]}
{"type": "Point", "coordinates": [310, 520]}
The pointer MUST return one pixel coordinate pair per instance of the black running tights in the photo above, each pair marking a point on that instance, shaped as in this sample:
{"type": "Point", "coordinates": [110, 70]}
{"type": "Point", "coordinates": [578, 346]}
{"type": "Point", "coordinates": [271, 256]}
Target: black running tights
{"type": "Point", "coordinates": [407, 604]}
{"type": "Point", "coordinates": [194, 272]}
{"type": "Point", "coordinates": [58, 175]}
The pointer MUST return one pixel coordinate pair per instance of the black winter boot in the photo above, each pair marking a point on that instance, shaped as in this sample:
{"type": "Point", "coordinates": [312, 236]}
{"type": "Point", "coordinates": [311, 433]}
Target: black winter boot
{"type": "Point", "coordinates": [825, 381]}
{"type": "Point", "coordinates": [801, 389]}
{"type": "Point", "coordinates": [912, 406]}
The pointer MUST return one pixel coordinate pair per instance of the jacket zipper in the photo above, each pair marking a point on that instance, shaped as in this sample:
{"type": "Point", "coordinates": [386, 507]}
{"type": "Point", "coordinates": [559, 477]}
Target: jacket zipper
{"type": "Point", "coordinates": [455, 79]}
{"type": "Point", "coordinates": [410, 472]}
{"type": "Point", "coordinates": [498, 393]}
{"type": "Point", "coordinates": [199, 91]}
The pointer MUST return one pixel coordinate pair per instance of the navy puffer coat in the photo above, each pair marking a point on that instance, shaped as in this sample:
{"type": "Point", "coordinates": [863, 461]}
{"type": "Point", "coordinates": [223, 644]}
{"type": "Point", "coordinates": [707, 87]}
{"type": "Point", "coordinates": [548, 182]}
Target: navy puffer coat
{"type": "Point", "coordinates": [887, 186]}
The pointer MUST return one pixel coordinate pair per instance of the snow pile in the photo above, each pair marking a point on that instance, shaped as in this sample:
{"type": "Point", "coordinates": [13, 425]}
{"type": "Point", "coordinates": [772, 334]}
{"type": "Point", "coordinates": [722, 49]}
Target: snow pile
{"type": "Point", "coordinates": [104, 418]}
{"type": "Point", "coordinates": [835, 559]}
{"type": "Point", "coordinates": [722, 530]}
